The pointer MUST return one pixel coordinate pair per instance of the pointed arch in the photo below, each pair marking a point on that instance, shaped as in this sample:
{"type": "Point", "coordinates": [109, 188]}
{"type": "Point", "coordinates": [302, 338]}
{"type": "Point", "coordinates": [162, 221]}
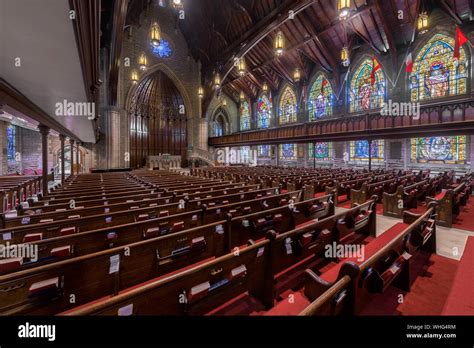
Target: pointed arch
{"type": "Point", "coordinates": [264, 111]}
{"type": "Point", "coordinates": [244, 113]}
{"type": "Point", "coordinates": [287, 106]}
{"type": "Point", "coordinates": [320, 98]}
{"type": "Point", "coordinates": [366, 93]}
{"type": "Point", "coordinates": [435, 73]}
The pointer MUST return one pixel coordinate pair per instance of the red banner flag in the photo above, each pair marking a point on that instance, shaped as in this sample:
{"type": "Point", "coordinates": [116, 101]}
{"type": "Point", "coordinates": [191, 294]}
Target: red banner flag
{"type": "Point", "coordinates": [375, 67]}
{"type": "Point", "coordinates": [409, 63]}
{"type": "Point", "coordinates": [460, 40]}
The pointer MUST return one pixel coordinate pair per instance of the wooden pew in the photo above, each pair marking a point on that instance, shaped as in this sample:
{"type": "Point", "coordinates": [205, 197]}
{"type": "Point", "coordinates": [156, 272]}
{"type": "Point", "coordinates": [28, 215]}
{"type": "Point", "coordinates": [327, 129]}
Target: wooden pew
{"type": "Point", "coordinates": [194, 291]}
{"type": "Point", "coordinates": [407, 197]}
{"type": "Point", "coordinates": [450, 202]}
{"type": "Point", "coordinates": [26, 233]}
{"type": "Point", "coordinates": [260, 261]}
{"type": "Point", "coordinates": [230, 195]}
{"type": "Point", "coordinates": [343, 290]}
{"type": "Point", "coordinates": [378, 188]}
{"type": "Point", "coordinates": [83, 243]}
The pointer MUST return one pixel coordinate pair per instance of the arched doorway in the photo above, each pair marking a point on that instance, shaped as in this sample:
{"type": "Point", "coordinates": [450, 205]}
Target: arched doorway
{"type": "Point", "coordinates": [157, 120]}
{"type": "Point", "coordinates": [219, 123]}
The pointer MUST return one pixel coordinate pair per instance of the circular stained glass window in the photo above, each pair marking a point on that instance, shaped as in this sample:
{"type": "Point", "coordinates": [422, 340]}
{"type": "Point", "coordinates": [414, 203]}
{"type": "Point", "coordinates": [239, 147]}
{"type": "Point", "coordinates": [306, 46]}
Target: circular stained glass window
{"type": "Point", "coordinates": [163, 50]}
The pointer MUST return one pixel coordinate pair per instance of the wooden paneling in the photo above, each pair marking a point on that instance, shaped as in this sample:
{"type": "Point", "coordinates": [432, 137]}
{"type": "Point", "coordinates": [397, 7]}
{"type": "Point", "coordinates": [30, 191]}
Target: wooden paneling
{"type": "Point", "coordinates": [157, 120]}
{"type": "Point", "coordinates": [455, 117]}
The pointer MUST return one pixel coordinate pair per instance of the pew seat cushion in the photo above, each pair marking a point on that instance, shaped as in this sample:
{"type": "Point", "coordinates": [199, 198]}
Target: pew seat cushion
{"type": "Point", "coordinates": [460, 300]}
{"type": "Point", "coordinates": [371, 248]}
{"type": "Point", "coordinates": [440, 195]}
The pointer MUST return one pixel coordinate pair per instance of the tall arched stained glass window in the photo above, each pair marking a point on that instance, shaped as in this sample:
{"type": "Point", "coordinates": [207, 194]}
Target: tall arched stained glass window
{"type": "Point", "coordinates": [447, 150]}
{"type": "Point", "coordinates": [244, 115]}
{"type": "Point", "coordinates": [322, 151]}
{"type": "Point", "coordinates": [435, 73]}
{"type": "Point", "coordinates": [264, 111]}
{"type": "Point", "coordinates": [359, 150]}
{"type": "Point", "coordinates": [287, 106]}
{"type": "Point", "coordinates": [11, 142]}
{"type": "Point", "coordinates": [365, 92]}
{"type": "Point", "coordinates": [288, 151]}
{"type": "Point", "coordinates": [321, 98]}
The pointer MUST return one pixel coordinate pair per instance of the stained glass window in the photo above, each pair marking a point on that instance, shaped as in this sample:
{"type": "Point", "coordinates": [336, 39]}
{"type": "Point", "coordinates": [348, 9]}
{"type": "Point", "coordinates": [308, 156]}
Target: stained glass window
{"type": "Point", "coordinates": [11, 142]}
{"type": "Point", "coordinates": [288, 151]}
{"type": "Point", "coordinates": [323, 151]}
{"type": "Point", "coordinates": [363, 94]}
{"type": "Point", "coordinates": [287, 106]}
{"type": "Point", "coordinates": [448, 150]}
{"type": "Point", "coordinates": [245, 154]}
{"type": "Point", "coordinates": [359, 150]}
{"type": "Point", "coordinates": [163, 50]}
{"type": "Point", "coordinates": [264, 111]}
{"type": "Point", "coordinates": [244, 116]}
{"type": "Point", "coordinates": [264, 151]}
{"type": "Point", "coordinates": [321, 98]}
{"type": "Point", "coordinates": [435, 73]}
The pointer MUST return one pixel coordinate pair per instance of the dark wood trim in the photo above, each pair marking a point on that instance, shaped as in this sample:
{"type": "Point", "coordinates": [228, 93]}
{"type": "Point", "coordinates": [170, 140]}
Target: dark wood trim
{"type": "Point", "coordinates": [119, 17]}
{"type": "Point", "coordinates": [355, 127]}
{"type": "Point", "coordinates": [87, 32]}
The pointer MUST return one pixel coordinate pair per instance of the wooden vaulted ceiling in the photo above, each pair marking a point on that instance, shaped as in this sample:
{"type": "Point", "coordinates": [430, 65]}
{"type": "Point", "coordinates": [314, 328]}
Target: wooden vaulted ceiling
{"type": "Point", "coordinates": [218, 31]}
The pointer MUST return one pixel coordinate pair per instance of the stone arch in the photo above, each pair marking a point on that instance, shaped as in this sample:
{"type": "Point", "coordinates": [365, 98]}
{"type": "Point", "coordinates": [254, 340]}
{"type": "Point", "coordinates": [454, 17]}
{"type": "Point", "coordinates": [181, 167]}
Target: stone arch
{"type": "Point", "coordinates": [220, 115]}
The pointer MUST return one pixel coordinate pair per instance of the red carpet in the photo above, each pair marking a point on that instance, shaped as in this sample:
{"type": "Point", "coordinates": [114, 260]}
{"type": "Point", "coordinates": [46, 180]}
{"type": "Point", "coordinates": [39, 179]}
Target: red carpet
{"type": "Point", "coordinates": [420, 209]}
{"type": "Point", "coordinates": [461, 298]}
{"type": "Point", "coordinates": [346, 204]}
{"type": "Point", "coordinates": [319, 194]}
{"type": "Point", "coordinates": [379, 208]}
{"type": "Point", "coordinates": [431, 280]}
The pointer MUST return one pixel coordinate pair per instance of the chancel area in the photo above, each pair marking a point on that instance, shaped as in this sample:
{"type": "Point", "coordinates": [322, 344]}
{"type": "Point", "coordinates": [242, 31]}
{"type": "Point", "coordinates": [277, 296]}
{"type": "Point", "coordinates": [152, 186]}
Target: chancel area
{"type": "Point", "coordinates": [236, 157]}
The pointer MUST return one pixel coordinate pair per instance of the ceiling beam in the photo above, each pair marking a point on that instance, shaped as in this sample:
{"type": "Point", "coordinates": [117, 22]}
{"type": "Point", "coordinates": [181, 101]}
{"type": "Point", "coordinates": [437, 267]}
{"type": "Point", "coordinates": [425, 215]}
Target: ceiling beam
{"type": "Point", "coordinates": [270, 22]}
{"type": "Point", "coordinates": [361, 10]}
{"type": "Point", "coordinates": [388, 34]}
{"type": "Point", "coordinates": [452, 13]}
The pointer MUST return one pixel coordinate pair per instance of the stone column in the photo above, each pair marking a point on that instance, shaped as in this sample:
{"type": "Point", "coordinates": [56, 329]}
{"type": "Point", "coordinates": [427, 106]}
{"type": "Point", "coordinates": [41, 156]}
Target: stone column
{"type": "Point", "coordinates": [44, 130]}
{"type": "Point", "coordinates": [63, 175]}
{"type": "Point", "coordinates": [71, 142]}
{"type": "Point", "coordinates": [117, 140]}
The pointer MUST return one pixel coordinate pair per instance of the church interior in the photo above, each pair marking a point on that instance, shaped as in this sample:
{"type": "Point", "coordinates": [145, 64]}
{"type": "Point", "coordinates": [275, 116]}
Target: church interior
{"type": "Point", "coordinates": [236, 158]}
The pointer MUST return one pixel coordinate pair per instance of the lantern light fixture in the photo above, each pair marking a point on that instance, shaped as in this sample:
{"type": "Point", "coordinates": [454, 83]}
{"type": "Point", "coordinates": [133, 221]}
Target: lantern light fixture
{"type": "Point", "coordinates": [345, 56]}
{"type": "Point", "coordinates": [297, 75]}
{"type": "Point", "coordinates": [241, 66]}
{"type": "Point", "coordinates": [344, 9]}
{"type": "Point", "coordinates": [279, 43]}
{"type": "Point", "coordinates": [422, 25]}
{"type": "Point", "coordinates": [217, 81]}
{"type": "Point", "coordinates": [142, 61]}
{"type": "Point", "coordinates": [134, 76]}
{"type": "Point", "coordinates": [155, 34]}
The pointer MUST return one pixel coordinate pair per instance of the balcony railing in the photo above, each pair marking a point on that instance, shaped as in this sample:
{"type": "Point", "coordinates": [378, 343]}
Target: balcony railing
{"type": "Point", "coordinates": [447, 118]}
